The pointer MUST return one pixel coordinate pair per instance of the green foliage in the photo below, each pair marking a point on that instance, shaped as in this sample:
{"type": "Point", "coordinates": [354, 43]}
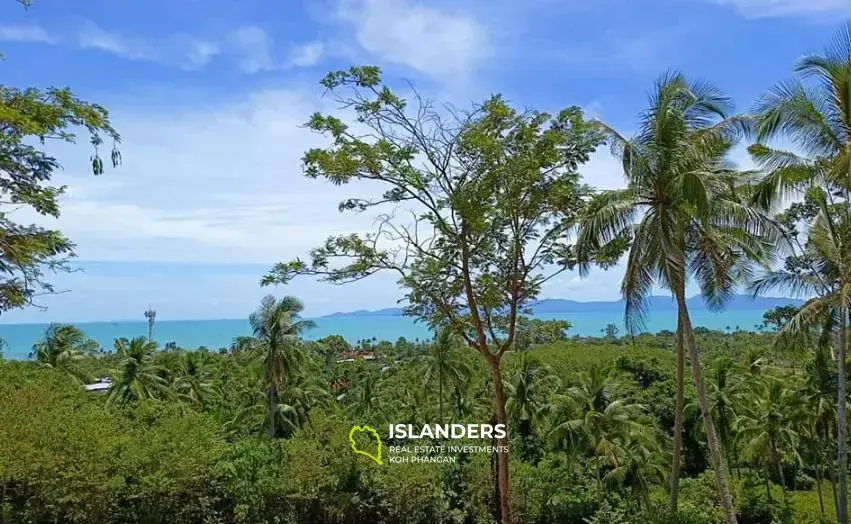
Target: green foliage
{"type": "Point", "coordinates": [533, 332]}
{"type": "Point", "coordinates": [253, 479]}
{"type": "Point", "coordinates": [806, 507]}
{"type": "Point", "coordinates": [329, 350]}
{"type": "Point", "coordinates": [778, 317]}
{"type": "Point", "coordinates": [529, 391]}
{"type": "Point", "coordinates": [138, 377]}
{"type": "Point", "coordinates": [699, 500]}
{"type": "Point", "coordinates": [758, 501]}
{"type": "Point", "coordinates": [76, 461]}
{"type": "Point", "coordinates": [31, 116]}
{"type": "Point", "coordinates": [609, 513]}
{"type": "Point", "coordinates": [554, 490]}
{"type": "Point", "coordinates": [277, 325]}
{"type": "Point", "coordinates": [499, 201]}
{"type": "Point", "coordinates": [497, 204]}
{"type": "Point", "coordinates": [444, 367]}
{"type": "Point", "coordinates": [814, 116]}
{"type": "Point", "coordinates": [62, 347]}
{"type": "Point", "coordinates": [597, 415]}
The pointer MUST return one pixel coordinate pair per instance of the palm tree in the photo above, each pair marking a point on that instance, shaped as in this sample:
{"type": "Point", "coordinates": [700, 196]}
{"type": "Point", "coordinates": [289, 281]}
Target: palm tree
{"type": "Point", "coordinates": [193, 382]}
{"type": "Point", "coordinates": [527, 392]}
{"type": "Point", "coordinates": [304, 391]}
{"type": "Point", "coordinates": [816, 117]}
{"type": "Point", "coordinates": [445, 365]}
{"type": "Point", "coordinates": [819, 427]}
{"type": "Point", "coordinates": [725, 387]}
{"type": "Point", "coordinates": [277, 326]}
{"type": "Point", "coordinates": [62, 348]}
{"type": "Point", "coordinates": [768, 425]}
{"type": "Point", "coordinates": [633, 463]}
{"type": "Point", "coordinates": [242, 411]}
{"type": "Point", "coordinates": [813, 325]}
{"type": "Point", "coordinates": [470, 401]}
{"type": "Point", "coordinates": [682, 212]}
{"type": "Point", "coordinates": [328, 350]}
{"type": "Point", "coordinates": [594, 418]}
{"type": "Point", "coordinates": [362, 395]}
{"type": "Point", "coordinates": [137, 377]}
{"type": "Point", "coordinates": [242, 346]}
{"type": "Point", "coordinates": [614, 431]}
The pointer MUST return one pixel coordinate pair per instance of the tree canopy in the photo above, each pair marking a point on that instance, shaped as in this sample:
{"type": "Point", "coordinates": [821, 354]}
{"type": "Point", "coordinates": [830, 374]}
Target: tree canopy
{"type": "Point", "coordinates": [480, 204]}
{"type": "Point", "coordinates": [29, 120]}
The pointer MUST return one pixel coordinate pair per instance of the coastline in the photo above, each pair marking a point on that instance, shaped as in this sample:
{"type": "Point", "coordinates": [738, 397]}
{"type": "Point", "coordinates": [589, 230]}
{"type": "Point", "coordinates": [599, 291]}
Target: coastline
{"type": "Point", "coordinates": [214, 334]}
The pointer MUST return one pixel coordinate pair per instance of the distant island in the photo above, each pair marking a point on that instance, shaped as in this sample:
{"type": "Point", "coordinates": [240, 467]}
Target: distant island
{"type": "Point", "coordinates": [657, 303]}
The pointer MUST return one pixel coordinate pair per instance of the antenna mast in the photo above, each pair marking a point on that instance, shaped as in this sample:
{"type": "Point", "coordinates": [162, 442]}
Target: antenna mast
{"type": "Point", "coordinates": [151, 315]}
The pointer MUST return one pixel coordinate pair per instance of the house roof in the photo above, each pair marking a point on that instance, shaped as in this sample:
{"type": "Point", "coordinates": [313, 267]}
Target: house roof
{"type": "Point", "coordinates": [100, 385]}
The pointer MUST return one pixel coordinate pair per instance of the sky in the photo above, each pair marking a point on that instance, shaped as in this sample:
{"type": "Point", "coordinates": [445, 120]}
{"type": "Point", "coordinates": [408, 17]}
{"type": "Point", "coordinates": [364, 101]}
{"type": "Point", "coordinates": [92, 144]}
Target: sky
{"type": "Point", "coordinates": [210, 98]}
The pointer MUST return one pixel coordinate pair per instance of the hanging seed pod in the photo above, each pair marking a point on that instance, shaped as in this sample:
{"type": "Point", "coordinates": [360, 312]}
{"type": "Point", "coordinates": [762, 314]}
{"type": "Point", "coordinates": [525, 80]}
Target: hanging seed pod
{"type": "Point", "coordinates": [116, 157]}
{"type": "Point", "coordinates": [97, 165]}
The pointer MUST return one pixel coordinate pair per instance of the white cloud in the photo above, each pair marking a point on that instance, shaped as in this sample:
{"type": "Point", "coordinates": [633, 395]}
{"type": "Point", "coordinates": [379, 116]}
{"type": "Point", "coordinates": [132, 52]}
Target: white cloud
{"type": "Point", "coordinates": [214, 189]}
{"type": "Point", "coordinates": [775, 8]}
{"type": "Point", "coordinates": [26, 33]}
{"type": "Point", "coordinates": [428, 39]}
{"type": "Point", "coordinates": [196, 52]}
{"type": "Point", "coordinates": [94, 37]}
{"type": "Point", "coordinates": [219, 193]}
{"type": "Point", "coordinates": [178, 50]}
{"type": "Point", "coordinates": [253, 45]}
{"type": "Point", "coordinates": [307, 55]}
{"type": "Point", "coordinates": [249, 46]}
{"type": "Point", "coordinates": [202, 185]}
{"type": "Point", "coordinates": [218, 190]}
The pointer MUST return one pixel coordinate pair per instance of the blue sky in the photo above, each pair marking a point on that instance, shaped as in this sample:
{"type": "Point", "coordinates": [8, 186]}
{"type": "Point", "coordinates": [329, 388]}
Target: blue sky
{"type": "Point", "coordinates": [209, 96]}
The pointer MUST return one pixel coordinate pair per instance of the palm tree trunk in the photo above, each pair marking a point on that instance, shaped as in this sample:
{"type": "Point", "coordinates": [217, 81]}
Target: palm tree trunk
{"type": "Point", "coordinates": [674, 481]}
{"type": "Point", "coordinates": [794, 477]}
{"type": "Point", "coordinates": [440, 397]}
{"type": "Point", "coordinates": [273, 400]}
{"type": "Point", "coordinates": [768, 485]}
{"type": "Point", "coordinates": [832, 474]}
{"type": "Point", "coordinates": [818, 486]}
{"type": "Point", "coordinates": [842, 423]}
{"type": "Point", "coordinates": [775, 457]}
{"type": "Point", "coordinates": [734, 456]}
{"type": "Point", "coordinates": [502, 457]}
{"type": "Point", "coordinates": [703, 399]}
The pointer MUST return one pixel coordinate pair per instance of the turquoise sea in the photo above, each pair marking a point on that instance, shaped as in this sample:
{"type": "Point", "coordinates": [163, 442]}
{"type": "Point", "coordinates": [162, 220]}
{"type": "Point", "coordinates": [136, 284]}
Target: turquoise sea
{"type": "Point", "coordinates": [219, 333]}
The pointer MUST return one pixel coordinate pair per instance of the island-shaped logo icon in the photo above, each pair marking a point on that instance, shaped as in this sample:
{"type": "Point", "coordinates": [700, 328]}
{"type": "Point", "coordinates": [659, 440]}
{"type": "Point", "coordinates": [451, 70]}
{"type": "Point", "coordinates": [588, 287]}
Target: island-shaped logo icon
{"type": "Point", "coordinates": [366, 429]}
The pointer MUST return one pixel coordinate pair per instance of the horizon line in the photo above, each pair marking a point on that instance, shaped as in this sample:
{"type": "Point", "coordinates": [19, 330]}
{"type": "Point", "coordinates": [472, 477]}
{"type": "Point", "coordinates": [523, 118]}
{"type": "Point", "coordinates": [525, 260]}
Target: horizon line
{"type": "Point", "coordinates": [336, 313]}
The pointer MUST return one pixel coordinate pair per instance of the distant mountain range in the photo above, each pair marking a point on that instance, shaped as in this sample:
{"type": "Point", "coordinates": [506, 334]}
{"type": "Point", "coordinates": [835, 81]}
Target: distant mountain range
{"type": "Point", "coordinates": [659, 303]}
